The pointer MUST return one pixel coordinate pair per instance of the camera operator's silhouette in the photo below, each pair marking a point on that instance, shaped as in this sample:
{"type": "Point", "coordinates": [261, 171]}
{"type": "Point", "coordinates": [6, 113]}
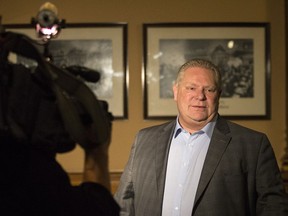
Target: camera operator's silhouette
{"type": "Point", "coordinates": [45, 111]}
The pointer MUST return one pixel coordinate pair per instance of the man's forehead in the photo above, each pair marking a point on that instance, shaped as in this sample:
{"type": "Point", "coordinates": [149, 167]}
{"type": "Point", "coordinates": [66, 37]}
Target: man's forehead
{"type": "Point", "coordinates": [195, 83]}
{"type": "Point", "coordinates": [198, 69]}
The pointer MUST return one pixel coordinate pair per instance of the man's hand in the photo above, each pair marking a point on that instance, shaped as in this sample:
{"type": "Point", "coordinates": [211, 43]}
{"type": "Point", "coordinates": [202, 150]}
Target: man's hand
{"type": "Point", "coordinates": [96, 166]}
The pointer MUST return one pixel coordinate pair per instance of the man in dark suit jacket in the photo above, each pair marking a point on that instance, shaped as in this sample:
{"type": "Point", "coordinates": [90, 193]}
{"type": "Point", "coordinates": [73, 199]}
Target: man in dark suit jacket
{"type": "Point", "coordinates": [201, 164]}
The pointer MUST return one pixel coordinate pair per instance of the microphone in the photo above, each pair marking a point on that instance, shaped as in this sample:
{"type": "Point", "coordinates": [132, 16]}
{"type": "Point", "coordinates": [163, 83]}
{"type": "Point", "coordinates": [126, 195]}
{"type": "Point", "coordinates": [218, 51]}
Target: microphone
{"type": "Point", "coordinates": [84, 72]}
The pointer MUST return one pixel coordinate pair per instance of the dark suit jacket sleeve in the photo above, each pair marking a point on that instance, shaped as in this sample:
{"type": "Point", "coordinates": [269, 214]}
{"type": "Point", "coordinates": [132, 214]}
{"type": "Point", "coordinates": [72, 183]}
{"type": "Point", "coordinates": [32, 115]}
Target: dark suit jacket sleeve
{"type": "Point", "coordinates": [269, 185]}
{"type": "Point", "coordinates": [125, 192]}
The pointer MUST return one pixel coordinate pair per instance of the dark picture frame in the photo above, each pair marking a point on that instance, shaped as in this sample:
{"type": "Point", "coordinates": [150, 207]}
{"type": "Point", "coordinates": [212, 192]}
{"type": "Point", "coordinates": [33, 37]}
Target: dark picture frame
{"type": "Point", "coordinates": [98, 46]}
{"type": "Point", "coordinates": [241, 50]}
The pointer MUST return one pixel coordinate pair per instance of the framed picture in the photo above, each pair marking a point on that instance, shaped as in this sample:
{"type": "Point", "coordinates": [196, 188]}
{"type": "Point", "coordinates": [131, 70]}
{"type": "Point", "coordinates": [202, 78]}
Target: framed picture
{"type": "Point", "coordinates": [240, 50]}
{"type": "Point", "coordinates": [100, 47]}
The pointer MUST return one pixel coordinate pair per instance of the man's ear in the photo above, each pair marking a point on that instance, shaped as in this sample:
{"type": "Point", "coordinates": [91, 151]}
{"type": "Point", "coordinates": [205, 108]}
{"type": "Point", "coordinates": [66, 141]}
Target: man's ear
{"type": "Point", "coordinates": [175, 91]}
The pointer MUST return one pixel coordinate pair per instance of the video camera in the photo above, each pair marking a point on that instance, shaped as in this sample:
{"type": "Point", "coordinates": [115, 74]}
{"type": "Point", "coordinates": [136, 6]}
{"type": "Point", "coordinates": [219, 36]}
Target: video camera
{"type": "Point", "coordinates": [85, 118]}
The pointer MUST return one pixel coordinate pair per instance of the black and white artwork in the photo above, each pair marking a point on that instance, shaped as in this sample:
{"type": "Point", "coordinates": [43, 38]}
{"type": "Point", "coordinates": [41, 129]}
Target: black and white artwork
{"type": "Point", "coordinates": [234, 57]}
{"type": "Point", "coordinates": [93, 54]}
{"type": "Point", "coordinates": [240, 50]}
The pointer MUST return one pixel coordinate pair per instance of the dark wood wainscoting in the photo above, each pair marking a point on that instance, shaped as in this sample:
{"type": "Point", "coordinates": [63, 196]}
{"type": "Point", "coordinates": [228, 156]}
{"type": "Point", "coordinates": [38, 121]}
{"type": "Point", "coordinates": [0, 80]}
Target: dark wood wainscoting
{"type": "Point", "coordinates": [76, 179]}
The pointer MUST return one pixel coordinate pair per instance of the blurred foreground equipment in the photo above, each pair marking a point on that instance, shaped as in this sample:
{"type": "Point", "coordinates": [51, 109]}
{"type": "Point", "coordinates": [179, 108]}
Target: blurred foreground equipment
{"type": "Point", "coordinates": [80, 109]}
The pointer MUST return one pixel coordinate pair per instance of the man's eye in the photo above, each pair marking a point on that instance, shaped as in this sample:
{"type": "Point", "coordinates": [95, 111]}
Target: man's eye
{"type": "Point", "coordinates": [211, 90]}
{"type": "Point", "coordinates": [189, 88]}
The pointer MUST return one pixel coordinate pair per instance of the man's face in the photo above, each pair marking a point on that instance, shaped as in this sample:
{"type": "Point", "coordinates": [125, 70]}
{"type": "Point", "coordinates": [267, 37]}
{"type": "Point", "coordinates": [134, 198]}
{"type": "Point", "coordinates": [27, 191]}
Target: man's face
{"type": "Point", "coordinates": [197, 97]}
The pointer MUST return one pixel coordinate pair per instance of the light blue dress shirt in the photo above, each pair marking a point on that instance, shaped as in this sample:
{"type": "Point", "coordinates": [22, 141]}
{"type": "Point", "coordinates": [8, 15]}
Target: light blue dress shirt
{"type": "Point", "coordinates": [185, 161]}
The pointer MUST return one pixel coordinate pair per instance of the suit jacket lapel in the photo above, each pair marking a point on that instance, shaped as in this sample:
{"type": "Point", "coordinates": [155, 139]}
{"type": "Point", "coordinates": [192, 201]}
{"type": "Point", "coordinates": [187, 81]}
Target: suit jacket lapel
{"type": "Point", "coordinates": [217, 147]}
{"type": "Point", "coordinates": [162, 150]}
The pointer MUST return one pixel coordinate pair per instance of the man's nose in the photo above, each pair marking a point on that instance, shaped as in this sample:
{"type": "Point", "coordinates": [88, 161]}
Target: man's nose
{"type": "Point", "coordinates": [200, 94]}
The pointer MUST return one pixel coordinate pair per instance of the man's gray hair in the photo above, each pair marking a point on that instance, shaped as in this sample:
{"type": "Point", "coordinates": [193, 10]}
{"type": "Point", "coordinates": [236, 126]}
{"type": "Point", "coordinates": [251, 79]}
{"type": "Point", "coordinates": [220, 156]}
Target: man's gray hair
{"type": "Point", "coordinates": [202, 63]}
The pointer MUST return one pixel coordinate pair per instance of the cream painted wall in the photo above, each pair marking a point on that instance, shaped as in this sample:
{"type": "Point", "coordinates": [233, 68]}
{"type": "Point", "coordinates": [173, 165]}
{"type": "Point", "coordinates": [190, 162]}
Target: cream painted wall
{"type": "Point", "coordinates": [137, 12]}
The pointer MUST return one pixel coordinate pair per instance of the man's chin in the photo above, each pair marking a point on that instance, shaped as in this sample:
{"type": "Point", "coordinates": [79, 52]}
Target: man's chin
{"type": "Point", "coordinates": [202, 118]}
{"type": "Point", "coordinates": [199, 118]}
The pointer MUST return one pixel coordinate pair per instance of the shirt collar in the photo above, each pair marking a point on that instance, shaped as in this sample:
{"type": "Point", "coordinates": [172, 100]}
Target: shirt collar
{"type": "Point", "coordinates": [208, 128]}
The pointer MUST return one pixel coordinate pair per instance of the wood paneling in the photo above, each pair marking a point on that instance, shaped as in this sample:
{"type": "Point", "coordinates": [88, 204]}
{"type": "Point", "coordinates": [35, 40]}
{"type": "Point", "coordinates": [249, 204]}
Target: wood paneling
{"type": "Point", "coordinates": [76, 179]}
